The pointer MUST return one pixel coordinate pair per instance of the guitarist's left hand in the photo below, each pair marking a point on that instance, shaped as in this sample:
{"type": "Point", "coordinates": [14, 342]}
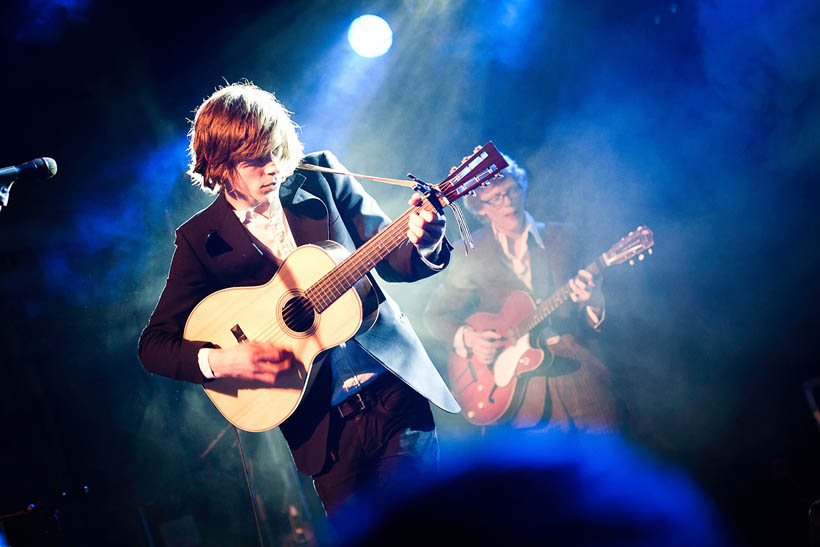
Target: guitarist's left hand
{"type": "Point", "coordinates": [582, 286]}
{"type": "Point", "coordinates": [425, 228]}
{"type": "Point", "coordinates": [586, 289]}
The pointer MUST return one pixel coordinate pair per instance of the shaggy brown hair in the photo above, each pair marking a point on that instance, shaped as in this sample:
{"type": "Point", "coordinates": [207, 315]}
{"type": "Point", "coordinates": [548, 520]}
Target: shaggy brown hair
{"type": "Point", "coordinates": [240, 123]}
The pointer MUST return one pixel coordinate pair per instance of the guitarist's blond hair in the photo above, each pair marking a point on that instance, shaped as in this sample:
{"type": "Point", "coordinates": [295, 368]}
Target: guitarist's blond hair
{"type": "Point", "coordinates": [240, 122]}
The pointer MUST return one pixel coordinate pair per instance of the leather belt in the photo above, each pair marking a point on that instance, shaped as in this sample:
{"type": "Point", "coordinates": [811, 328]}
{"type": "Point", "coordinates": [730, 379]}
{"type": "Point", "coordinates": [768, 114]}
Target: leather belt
{"type": "Point", "coordinates": [364, 399]}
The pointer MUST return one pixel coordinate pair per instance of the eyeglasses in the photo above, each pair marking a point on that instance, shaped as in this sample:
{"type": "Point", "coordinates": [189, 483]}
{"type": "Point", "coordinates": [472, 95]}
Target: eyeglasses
{"type": "Point", "coordinates": [498, 199]}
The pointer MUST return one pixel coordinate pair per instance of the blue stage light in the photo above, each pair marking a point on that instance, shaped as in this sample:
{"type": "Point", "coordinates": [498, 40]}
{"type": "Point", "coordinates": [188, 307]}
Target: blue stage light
{"type": "Point", "coordinates": [370, 36]}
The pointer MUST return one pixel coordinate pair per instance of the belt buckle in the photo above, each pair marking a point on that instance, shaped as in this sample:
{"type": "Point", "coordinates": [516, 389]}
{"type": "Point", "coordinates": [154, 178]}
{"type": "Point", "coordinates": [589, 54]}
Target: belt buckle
{"type": "Point", "coordinates": [356, 399]}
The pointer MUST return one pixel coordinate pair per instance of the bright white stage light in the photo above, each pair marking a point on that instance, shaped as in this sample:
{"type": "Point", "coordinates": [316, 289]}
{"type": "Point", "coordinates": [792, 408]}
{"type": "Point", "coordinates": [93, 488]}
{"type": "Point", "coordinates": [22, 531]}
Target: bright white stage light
{"type": "Point", "coordinates": [370, 36]}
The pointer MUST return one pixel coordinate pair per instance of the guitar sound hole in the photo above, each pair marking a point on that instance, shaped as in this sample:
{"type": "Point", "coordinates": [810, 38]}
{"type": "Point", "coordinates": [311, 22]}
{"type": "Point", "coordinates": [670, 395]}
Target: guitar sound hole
{"type": "Point", "coordinates": [298, 314]}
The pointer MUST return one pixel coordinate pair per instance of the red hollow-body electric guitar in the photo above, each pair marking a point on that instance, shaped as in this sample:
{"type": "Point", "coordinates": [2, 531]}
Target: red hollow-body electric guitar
{"type": "Point", "coordinates": [491, 394]}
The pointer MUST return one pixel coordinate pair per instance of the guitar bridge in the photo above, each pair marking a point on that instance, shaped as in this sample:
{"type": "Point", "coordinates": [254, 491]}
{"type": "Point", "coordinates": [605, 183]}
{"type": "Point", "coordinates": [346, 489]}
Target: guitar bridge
{"type": "Point", "coordinates": [236, 330]}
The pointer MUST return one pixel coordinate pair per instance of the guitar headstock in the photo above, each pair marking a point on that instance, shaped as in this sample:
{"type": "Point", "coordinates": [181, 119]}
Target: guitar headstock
{"type": "Point", "coordinates": [474, 171]}
{"type": "Point", "coordinates": [634, 244]}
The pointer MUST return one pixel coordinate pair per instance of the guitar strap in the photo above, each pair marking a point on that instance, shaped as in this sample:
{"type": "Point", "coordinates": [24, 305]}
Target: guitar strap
{"type": "Point", "coordinates": [320, 169]}
{"type": "Point", "coordinates": [463, 229]}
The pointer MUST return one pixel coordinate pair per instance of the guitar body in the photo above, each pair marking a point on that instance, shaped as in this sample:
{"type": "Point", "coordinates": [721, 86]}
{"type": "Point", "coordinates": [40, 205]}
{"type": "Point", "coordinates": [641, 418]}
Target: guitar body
{"type": "Point", "coordinates": [491, 395]}
{"type": "Point", "coordinates": [231, 316]}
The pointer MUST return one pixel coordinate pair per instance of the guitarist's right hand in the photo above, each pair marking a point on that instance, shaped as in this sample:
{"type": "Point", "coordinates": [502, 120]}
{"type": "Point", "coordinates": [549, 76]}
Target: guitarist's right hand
{"type": "Point", "coordinates": [259, 361]}
{"type": "Point", "coordinates": [484, 345]}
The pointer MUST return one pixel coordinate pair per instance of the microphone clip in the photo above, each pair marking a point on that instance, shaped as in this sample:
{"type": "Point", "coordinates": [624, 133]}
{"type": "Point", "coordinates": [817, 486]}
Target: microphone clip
{"type": "Point", "coordinates": [4, 195]}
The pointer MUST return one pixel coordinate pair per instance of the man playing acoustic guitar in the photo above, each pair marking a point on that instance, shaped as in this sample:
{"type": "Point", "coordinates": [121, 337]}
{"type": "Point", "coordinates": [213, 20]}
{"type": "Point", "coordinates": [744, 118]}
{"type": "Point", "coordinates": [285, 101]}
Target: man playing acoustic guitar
{"type": "Point", "coordinates": [365, 417]}
{"type": "Point", "coordinates": [517, 261]}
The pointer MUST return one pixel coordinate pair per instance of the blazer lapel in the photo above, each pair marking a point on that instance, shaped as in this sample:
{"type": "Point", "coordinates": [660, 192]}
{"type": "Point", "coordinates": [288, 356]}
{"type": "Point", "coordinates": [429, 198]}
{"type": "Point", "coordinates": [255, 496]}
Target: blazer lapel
{"type": "Point", "coordinates": [237, 258]}
{"type": "Point", "coordinates": [306, 214]}
{"type": "Point", "coordinates": [234, 253]}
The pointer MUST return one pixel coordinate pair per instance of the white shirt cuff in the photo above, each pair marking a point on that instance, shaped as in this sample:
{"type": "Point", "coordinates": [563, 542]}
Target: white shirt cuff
{"type": "Point", "coordinates": [426, 252]}
{"type": "Point", "coordinates": [204, 365]}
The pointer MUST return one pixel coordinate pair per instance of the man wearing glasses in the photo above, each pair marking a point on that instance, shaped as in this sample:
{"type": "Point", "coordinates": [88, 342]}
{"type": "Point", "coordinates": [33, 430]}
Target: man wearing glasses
{"type": "Point", "coordinates": [514, 252]}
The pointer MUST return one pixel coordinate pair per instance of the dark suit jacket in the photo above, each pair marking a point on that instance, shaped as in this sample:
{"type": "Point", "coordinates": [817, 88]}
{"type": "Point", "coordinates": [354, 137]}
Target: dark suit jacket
{"type": "Point", "coordinates": [214, 251]}
{"type": "Point", "coordinates": [578, 384]}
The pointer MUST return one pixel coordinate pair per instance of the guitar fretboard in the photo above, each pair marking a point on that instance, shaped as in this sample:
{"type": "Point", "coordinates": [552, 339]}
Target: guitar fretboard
{"type": "Point", "coordinates": [543, 310]}
{"type": "Point", "coordinates": [484, 164]}
{"type": "Point", "coordinates": [338, 281]}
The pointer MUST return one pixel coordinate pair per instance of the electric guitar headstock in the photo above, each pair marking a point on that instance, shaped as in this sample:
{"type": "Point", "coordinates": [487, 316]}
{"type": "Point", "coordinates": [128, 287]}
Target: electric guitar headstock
{"type": "Point", "coordinates": [634, 244]}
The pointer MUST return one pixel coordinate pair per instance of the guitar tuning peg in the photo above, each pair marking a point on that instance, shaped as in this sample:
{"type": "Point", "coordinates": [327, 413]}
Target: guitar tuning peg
{"type": "Point", "coordinates": [631, 262]}
{"type": "Point", "coordinates": [649, 251]}
{"type": "Point", "coordinates": [476, 149]}
{"type": "Point", "coordinates": [629, 234]}
{"type": "Point", "coordinates": [452, 169]}
{"type": "Point", "coordinates": [640, 257]}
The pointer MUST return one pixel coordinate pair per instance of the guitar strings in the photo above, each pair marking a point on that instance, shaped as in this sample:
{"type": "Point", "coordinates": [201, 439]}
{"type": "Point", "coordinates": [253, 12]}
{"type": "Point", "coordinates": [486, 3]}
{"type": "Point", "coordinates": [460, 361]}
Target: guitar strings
{"type": "Point", "coordinates": [331, 286]}
{"type": "Point", "coordinates": [326, 290]}
{"type": "Point", "coordinates": [552, 304]}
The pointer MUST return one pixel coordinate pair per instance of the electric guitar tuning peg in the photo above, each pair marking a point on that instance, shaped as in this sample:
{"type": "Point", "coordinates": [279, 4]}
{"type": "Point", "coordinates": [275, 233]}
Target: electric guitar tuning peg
{"type": "Point", "coordinates": [649, 250]}
{"type": "Point", "coordinates": [631, 262]}
{"type": "Point", "coordinates": [453, 169]}
{"type": "Point", "coordinates": [640, 257]}
{"type": "Point", "coordinates": [476, 149]}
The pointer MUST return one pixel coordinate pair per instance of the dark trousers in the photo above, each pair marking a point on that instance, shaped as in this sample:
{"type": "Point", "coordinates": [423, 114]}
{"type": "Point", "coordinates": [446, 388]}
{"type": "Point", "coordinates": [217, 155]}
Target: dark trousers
{"type": "Point", "coordinates": [375, 449]}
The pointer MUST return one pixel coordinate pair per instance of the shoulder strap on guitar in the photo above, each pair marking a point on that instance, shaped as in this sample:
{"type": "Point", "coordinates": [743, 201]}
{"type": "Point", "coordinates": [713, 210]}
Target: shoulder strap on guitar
{"type": "Point", "coordinates": [461, 222]}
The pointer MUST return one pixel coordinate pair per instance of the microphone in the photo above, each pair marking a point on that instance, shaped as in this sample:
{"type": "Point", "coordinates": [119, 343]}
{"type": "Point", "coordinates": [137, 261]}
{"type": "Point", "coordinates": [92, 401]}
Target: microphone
{"type": "Point", "coordinates": [40, 168]}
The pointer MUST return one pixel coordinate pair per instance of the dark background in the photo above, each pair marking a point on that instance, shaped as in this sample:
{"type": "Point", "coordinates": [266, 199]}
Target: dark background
{"type": "Point", "coordinates": [698, 118]}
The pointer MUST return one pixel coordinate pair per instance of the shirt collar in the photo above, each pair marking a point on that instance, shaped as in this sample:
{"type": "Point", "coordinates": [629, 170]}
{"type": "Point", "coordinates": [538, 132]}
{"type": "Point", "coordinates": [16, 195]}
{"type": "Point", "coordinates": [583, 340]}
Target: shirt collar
{"type": "Point", "coordinates": [264, 209]}
{"type": "Point", "coordinates": [530, 228]}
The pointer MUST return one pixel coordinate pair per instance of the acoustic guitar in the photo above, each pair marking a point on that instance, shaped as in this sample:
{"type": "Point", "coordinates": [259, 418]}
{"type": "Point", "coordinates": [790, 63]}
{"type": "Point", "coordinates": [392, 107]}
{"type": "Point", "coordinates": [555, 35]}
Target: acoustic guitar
{"type": "Point", "coordinates": [319, 298]}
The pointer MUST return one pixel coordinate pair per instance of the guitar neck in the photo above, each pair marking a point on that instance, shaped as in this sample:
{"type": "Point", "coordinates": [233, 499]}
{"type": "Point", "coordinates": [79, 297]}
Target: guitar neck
{"type": "Point", "coordinates": [545, 309]}
{"type": "Point", "coordinates": [335, 283]}
{"type": "Point", "coordinates": [485, 162]}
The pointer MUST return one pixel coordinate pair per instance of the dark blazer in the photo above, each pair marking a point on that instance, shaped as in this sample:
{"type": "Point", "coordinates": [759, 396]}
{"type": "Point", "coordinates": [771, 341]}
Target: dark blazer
{"type": "Point", "coordinates": [577, 391]}
{"type": "Point", "coordinates": [214, 251]}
